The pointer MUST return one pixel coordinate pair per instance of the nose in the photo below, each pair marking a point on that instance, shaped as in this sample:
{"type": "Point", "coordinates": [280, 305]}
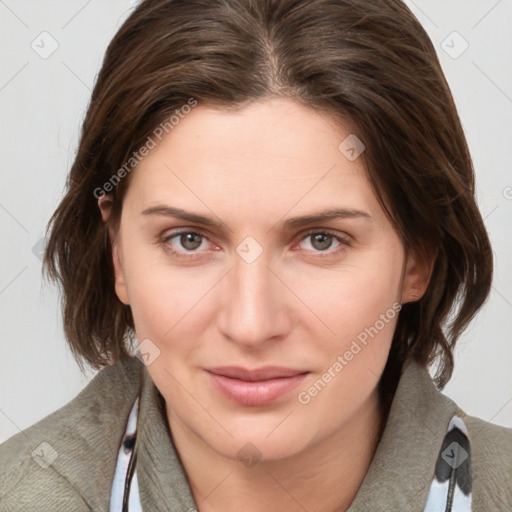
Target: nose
{"type": "Point", "coordinates": [254, 304]}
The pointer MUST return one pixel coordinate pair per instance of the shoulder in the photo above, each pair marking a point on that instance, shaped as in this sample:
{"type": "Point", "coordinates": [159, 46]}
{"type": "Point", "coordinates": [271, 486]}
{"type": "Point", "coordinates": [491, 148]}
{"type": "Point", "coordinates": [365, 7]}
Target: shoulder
{"type": "Point", "coordinates": [491, 461]}
{"type": "Point", "coordinates": [486, 447]}
{"type": "Point", "coordinates": [61, 452]}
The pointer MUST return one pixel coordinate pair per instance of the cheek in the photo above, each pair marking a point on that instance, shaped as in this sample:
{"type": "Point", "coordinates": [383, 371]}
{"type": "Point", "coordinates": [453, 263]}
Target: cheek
{"type": "Point", "coordinates": [354, 296]}
{"type": "Point", "coordinates": [363, 313]}
{"type": "Point", "coordinates": [162, 296]}
{"type": "Point", "coordinates": [163, 304]}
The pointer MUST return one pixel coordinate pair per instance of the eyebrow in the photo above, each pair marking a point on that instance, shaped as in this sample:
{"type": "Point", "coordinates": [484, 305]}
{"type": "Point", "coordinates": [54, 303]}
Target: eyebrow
{"type": "Point", "coordinates": [294, 222]}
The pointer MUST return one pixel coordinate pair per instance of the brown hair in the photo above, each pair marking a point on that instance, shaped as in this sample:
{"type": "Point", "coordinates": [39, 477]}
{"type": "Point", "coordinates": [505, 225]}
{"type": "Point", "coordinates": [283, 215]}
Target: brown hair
{"type": "Point", "coordinates": [369, 63]}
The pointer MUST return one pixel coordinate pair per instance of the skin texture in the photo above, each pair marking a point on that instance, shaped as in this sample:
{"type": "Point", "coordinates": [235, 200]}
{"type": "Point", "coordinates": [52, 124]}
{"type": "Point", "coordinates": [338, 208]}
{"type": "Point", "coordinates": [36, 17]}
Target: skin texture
{"type": "Point", "coordinates": [290, 307]}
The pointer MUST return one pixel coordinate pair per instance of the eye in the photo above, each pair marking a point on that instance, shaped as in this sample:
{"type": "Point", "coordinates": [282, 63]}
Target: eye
{"type": "Point", "coordinates": [185, 242]}
{"type": "Point", "coordinates": [188, 244]}
{"type": "Point", "coordinates": [321, 241]}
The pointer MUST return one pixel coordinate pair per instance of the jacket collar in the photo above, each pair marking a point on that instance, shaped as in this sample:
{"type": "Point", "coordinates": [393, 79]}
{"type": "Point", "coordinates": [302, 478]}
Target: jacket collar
{"type": "Point", "coordinates": [403, 466]}
{"type": "Point", "coordinates": [399, 475]}
{"type": "Point", "coordinates": [90, 431]}
{"type": "Point", "coordinates": [163, 485]}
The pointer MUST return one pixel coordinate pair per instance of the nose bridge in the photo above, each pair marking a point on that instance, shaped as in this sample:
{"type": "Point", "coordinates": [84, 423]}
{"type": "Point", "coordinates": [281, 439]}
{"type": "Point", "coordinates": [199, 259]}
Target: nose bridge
{"type": "Point", "coordinates": [253, 306]}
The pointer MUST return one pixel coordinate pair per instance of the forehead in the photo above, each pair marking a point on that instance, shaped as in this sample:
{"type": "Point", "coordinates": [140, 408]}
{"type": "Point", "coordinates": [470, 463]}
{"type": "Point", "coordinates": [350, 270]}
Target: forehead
{"type": "Point", "coordinates": [276, 153]}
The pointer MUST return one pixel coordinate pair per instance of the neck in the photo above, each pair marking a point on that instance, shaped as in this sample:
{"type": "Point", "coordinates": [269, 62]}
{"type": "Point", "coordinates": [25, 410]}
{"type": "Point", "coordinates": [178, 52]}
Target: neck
{"type": "Point", "coordinates": [325, 477]}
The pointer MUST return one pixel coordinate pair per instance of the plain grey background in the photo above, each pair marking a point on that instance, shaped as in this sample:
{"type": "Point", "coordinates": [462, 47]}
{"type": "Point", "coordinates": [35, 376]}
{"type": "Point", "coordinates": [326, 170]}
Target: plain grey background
{"type": "Point", "coordinates": [50, 53]}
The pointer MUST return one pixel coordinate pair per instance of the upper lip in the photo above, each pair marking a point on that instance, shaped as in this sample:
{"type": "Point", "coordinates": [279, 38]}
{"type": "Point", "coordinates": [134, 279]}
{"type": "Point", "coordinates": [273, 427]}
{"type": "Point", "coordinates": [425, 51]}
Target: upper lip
{"type": "Point", "coordinates": [257, 374]}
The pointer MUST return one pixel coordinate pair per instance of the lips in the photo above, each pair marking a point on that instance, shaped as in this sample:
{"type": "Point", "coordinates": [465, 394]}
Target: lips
{"type": "Point", "coordinates": [255, 387]}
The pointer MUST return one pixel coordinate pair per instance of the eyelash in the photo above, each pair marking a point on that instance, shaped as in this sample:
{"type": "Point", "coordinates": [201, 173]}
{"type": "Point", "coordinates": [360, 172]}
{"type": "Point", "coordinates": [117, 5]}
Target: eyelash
{"type": "Point", "coordinates": [344, 242]}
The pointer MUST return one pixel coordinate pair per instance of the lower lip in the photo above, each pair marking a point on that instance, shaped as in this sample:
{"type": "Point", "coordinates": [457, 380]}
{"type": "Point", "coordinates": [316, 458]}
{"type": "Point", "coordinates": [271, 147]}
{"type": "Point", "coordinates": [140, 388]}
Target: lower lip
{"type": "Point", "coordinates": [261, 392]}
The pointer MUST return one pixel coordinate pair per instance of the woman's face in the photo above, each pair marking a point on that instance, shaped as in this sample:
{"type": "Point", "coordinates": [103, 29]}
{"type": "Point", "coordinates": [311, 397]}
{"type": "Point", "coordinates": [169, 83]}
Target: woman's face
{"type": "Point", "coordinates": [251, 281]}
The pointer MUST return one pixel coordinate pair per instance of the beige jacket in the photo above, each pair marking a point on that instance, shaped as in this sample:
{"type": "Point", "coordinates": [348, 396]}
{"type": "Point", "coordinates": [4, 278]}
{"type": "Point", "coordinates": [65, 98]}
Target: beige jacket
{"type": "Point", "coordinates": [66, 461]}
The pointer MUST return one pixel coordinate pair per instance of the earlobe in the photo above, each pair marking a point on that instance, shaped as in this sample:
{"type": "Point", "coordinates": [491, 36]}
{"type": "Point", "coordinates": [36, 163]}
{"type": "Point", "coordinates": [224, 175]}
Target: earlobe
{"type": "Point", "coordinates": [417, 274]}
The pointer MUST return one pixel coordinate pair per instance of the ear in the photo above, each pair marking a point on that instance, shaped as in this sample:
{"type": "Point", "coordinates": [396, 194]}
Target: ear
{"type": "Point", "coordinates": [105, 203]}
{"type": "Point", "coordinates": [417, 274]}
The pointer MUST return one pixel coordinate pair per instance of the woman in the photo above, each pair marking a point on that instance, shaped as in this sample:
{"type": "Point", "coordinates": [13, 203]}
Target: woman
{"type": "Point", "coordinates": [269, 235]}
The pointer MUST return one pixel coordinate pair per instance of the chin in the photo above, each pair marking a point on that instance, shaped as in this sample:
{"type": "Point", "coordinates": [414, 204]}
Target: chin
{"type": "Point", "coordinates": [259, 444]}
